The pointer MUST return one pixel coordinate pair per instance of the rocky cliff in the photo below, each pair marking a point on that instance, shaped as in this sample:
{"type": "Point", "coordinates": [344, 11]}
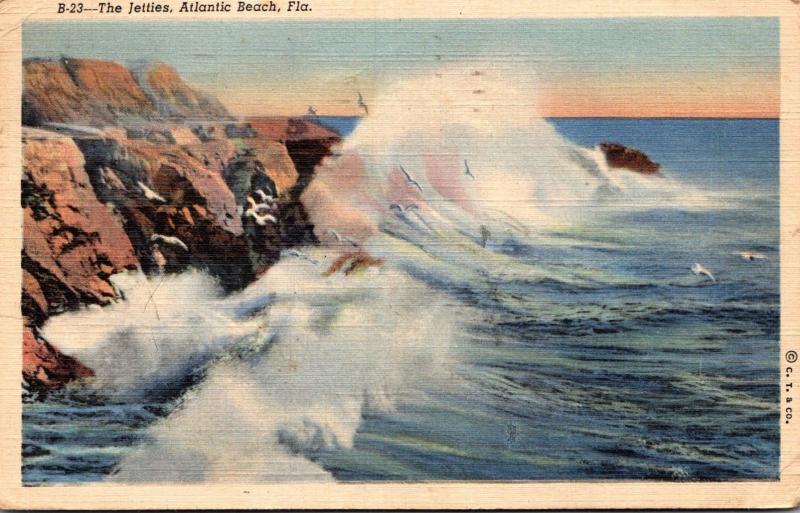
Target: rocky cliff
{"type": "Point", "coordinates": [126, 170]}
{"type": "Point", "coordinates": [98, 93]}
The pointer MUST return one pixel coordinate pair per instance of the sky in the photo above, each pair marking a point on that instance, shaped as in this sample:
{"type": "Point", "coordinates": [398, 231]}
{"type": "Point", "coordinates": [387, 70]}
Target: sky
{"type": "Point", "coordinates": [640, 67]}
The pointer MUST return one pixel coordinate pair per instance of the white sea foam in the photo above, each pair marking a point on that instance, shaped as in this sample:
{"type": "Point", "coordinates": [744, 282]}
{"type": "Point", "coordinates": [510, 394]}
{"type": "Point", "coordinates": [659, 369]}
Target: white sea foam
{"type": "Point", "coordinates": [423, 133]}
{"type": "Point", "coordinates": [293, 361]}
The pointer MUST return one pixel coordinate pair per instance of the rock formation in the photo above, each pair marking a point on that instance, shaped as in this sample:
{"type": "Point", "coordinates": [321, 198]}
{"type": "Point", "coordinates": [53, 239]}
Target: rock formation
{"type": "Point", "coordinates": [125, 170]}
{"type": "Point", "coordinates": [620, 156]}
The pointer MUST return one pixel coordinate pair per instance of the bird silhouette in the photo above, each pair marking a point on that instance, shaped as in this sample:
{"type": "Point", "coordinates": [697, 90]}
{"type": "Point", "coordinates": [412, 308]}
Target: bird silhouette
{"type": "Point", "coordinates": [699, 269]}
{"type": "Point", "coordinates": [151, 194]}
{"type": "Point", "coordinates": [399, 209]}
{"type": "Point", "coordinates": [299, 254]}
{"type": "Point", "coordinates": [751, 255]}
{"type": "Point", "coordinates": [409, 179]}
{"type": "Point", "coordinates": [362, 104]}
{"type": "Point", "coordinates": [467, 171]}
{"type": "Point", "coordinates": [339, 238]}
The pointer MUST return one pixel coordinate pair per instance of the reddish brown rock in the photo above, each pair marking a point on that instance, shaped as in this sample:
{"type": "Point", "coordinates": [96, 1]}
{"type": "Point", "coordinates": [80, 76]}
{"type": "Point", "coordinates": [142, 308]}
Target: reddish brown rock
{"type": "Point", "coordinates": [282, 128]}
{"type": "Point", "coordinates": [620, 156]}
{"type": "Point", "coordinates": [50, 95]}
{"type": "Point", "coordinates": [276, 164]}
{"type": "Point", "coordinates": [192, 202]}
{"type": "Point", "coordinates": [111, 85]}
{"type": "Point", "coordinates": [119, 186]}
{"type": "Point", "coordinates": [174, 98]}
{"type": "Point", "coordinates": [352, 263]}
{"type": "Point", "coordinates": [98, 93]}
{"type": "Point", "coordinates": [72, 242]}
{"type": "Point", "coordinates": [44, 367]}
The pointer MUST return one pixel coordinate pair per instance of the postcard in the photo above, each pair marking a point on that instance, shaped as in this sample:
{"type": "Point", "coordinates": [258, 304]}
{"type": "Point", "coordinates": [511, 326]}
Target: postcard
{"type": "Point", "coordinates": [463, 255]}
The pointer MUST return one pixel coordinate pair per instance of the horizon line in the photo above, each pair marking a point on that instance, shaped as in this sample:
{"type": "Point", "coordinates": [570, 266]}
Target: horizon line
{"type": "Point", "coordinates": [696, 118]}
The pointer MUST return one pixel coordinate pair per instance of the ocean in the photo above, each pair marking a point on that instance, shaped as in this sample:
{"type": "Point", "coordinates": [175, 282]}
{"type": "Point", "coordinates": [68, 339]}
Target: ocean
{"type": "Point", "coordinates": [508, 348]}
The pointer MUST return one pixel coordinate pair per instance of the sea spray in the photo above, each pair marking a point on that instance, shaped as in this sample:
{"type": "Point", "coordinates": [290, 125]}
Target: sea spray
{"type": "Point", "coordinates": [465, 149]}
{"type": "Point", "coordinates": [150, 342]}
{"type": "Point", "coordinates": [329, 348]}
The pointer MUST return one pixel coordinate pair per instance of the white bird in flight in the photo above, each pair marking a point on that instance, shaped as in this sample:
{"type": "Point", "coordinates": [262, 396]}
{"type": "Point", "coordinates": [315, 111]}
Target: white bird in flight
{"type": "Point", "coordinates": [699, 269]}
{"type": "Point", "coordinates": [299, 254]}
{"type": "Point", "coordinates": [172, 241]}
{"type": "Point", "coordinates": [255, 211]}
{"type": "Point", "coordinates": [339, 238]}
{"type": "Point", "coordinates": [751, 255]}
{"type": "Point", "coordinates": [150, 193]}
{"type": "Point", "coordinates": [266, 198]}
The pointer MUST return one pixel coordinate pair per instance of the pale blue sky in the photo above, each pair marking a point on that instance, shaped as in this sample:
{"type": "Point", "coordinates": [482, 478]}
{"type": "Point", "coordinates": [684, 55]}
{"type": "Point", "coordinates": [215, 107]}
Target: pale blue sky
{"type": "Point", "coordinates": [287, 65]}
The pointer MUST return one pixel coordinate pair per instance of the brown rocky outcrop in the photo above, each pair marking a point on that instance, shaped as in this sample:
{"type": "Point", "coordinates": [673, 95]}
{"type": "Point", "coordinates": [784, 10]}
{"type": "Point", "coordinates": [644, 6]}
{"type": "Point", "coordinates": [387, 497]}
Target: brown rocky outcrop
{"type": "Point", "coordinates": [189, 199]}
{"type": "Point", "coordinates": [44, 367]}
{"type": "Point", "coordinates": [173, 98]}
{"type": "Point", "coordinates": [72, 244]}
{"type": "Point", "coordinates": [621, 156]}
{"type": "Point", "coordinates": [72, 241]}
{"type": "Point", "coordinates": [109, 183]}
{"type": "Point", "coordinates": [97, 93]}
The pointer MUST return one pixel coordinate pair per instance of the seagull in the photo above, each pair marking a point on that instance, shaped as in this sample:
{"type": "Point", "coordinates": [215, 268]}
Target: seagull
{"type": "Point", "coordinates": [150, 193]}
{"type": "Point", "coordinates": [172, 241]}
{"type": "Point", "coordinates": [699, 269]}
{"type": "Point", "coordinates": [299, 254]}
{"type": "Point", "coordinates": [409, 179]}
{"type": "Point", "coordinates": [339, 238]}
{"type": "Point", "coordinates": [751, 255]}
{"type": "Point", "coordinates": [261, 219]}
{"type": "Point", "coordinates": [467, 171]}
{"type": "Point", "coordinates": [312, 111]}
{"type": "Point", "coordinates": [266, 198]}
{"type": "Point", "coordinates": [398, 209]}
{"type": "Point", "coordinates": [362, 104]}
{"type": "Point", "coordinates": [254, 212]}
{"type": "Point", "coordinates": [256, 207]}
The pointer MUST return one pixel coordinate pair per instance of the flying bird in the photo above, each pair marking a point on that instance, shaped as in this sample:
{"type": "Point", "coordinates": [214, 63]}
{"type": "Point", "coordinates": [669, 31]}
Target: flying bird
{"type": "Point", "coordinates": [399, 209]}
{"type": "Point", "coordinates": [261, 219]}
{"type": "Point", "coordinates": [172, 241]}
{"type": "Point", "coordinates": [256, 209]}
{"type": "Point", "coordinates": [299, 254]}
{"type": "Point", "coordinates": [312, 111]}
{"type": "Point", "coordinates": [151, 194]}
{"type": "Point", "coordinates": [265, 198]}
{"type": "Point", "coordinates": [362, 104]}
{"type": "Point", "coordinates": [699, 269]}
{"type": "Point", "coordinates": [751, 255]}
{"type": "Point", "coordinates": [467, 171]}
{"type": "Point", "coordinates": [339, 238]}
{"type": "Point", "coordinates": [409, 179]}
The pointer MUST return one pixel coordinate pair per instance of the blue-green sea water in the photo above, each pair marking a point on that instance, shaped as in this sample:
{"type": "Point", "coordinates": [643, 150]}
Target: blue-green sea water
{"type": "Point", "coordinates": [617, 363]}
